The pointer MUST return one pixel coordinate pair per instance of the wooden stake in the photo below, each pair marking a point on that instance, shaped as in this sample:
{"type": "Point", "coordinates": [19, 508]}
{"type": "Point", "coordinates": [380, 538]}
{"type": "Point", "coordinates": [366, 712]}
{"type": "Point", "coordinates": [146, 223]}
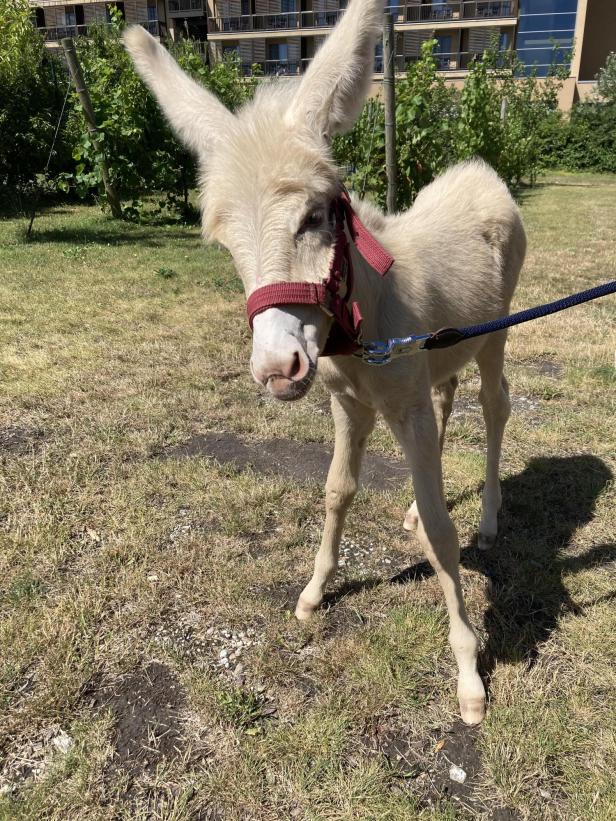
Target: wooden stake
{"type": "Point", "coordinates": [389, 97]}
{"type": "Point", "coordinates": [88, 112]}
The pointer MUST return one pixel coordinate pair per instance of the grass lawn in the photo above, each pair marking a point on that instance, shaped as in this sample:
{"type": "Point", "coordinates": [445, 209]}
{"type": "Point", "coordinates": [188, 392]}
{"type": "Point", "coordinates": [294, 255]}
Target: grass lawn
{"type": "Point", "coordinates": [159, 515]}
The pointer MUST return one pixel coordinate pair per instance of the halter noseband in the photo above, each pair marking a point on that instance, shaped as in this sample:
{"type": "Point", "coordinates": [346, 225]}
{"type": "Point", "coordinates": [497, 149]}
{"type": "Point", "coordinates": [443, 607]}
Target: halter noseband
{"type": "Point", "coordinates": [344, 336]}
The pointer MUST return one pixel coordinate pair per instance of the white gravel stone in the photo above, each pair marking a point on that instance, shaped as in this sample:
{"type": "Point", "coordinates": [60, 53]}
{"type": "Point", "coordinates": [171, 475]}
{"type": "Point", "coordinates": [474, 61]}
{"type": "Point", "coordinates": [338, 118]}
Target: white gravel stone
{"type": "Point", "coordinates": [63, 742]}
{"type": "Point", "coordinates": [457, 774]}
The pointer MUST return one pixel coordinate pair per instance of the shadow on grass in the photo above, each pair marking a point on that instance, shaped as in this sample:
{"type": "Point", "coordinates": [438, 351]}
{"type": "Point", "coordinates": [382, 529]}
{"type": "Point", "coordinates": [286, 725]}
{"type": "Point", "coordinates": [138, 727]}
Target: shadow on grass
{"type": "Point", "coordinates": [122, 233]}
{"type": "Point", "coordinates": [542, 508]}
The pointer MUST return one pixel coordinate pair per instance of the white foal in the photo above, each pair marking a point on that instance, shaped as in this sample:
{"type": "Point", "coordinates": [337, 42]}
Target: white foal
{"type": "Point", "coordinates": [314, 276]}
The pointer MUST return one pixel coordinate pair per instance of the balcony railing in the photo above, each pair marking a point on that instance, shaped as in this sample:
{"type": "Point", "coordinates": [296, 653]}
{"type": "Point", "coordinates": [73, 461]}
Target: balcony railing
{"type": "Point", "coordinates": [450, 61]}
{"type": "Point", "coordinates": [443, 12]}
{"type": "Point", "coordinates": [55, 33]}
{"type": "Point", "coordinates": [51, 33]}
{"type": "Point", "coordinates": [176, 6]}
{"type": "Point", "coordinates": [275, 22]}
{"type": "Point", "coordinates": [445, 61]}
{"type": "Point", "coordinates": [452, 11]}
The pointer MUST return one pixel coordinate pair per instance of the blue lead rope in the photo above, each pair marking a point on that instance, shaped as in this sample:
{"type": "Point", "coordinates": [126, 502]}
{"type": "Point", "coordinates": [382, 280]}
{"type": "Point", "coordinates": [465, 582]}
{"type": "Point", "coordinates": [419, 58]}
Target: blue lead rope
{"type": "Point", "coordinates": [380, 353]}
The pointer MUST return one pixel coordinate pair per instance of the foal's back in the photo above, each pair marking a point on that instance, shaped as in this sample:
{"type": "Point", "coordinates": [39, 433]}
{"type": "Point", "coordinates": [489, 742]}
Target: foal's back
{"type": "Point", "coordinates": [459, 249]}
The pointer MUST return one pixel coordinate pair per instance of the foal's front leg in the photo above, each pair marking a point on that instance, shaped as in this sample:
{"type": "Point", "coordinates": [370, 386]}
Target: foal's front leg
{"type": "Point", "coordinates": [418, 435]}
{"type": "Point", "coordinates": [354, 423]}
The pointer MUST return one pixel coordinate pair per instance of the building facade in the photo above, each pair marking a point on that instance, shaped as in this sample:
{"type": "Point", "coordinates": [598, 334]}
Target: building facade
{"type": "Point", "coordinates": [63, 18]}
{"type": "Point", "coordinates": [280, 37]}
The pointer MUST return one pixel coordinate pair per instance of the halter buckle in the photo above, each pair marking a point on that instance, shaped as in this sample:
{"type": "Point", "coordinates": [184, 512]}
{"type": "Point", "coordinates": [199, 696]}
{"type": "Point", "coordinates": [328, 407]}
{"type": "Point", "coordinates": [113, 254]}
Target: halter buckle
{"type": "Point", "coordinates": [383, 352]}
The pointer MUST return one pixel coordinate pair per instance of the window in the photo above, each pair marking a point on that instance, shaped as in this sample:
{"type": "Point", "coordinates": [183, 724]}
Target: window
{"type": "Point", "coordinates": [278, 51]}
{"type": "Point", "coordinates": [443, 44]}
{"type": "Point", "coordinates": [39, 18]}
{"type": "Point", "coordinates": [547, 6]}
{"type": "Point", "coordinates": [152, 13]}
{"type": "Point", "coordinates": [542, 56]}
{"type": "Point", "coordinates": [378, 57]}
{"type": "Point", "coordinates": [539, 40]}
{"type": "Point", "coordinates": [245, 7]}
{"type": "Point", "coordinates": [287, 6]}
{"type": "Point", "coordinates": [547, 22]}
{"type": "Point", "coordinates": [70, 18]}
{"type": "Point", "coordinates": [544, 24]}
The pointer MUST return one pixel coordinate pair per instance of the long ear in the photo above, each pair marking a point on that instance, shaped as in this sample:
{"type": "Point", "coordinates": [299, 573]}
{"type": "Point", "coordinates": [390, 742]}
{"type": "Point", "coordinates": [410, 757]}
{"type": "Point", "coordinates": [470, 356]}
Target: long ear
{"type": "Point", "coordinates": [333, 90]}
{"type": "Point", "coordinates": [196, 115]}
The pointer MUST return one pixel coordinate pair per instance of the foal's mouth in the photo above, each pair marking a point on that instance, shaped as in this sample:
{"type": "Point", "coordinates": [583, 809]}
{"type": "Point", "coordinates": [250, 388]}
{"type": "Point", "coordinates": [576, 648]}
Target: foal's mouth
{"type": "Point", "coordinates": [290, 390]}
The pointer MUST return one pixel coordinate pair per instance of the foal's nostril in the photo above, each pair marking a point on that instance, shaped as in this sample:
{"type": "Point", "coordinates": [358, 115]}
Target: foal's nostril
{"type": "Point", "coordinates": [295, 366]}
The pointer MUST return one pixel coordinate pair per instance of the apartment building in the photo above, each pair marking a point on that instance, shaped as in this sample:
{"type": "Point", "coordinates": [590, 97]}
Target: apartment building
{"type": "Point", "coordinates": [280, 37]}
{"type": "Point", "coordinates": [64, 18]}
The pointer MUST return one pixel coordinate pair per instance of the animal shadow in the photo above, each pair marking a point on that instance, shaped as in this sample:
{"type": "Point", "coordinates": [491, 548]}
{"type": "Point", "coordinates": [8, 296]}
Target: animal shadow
{"type": "Point", "coordinates": [542, 508]}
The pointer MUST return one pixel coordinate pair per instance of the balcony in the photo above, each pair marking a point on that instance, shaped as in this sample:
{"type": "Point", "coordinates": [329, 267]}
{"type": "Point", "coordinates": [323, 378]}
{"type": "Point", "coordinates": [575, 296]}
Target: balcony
{"type": "Point", "coordinates": [286, 21]}
{"type": "Point", "coordinates": [446, 62]}
{"type": "Point", "coordinates": [178, 7]}
{"type": "Point", "coordinates": [55, 33]}
{"type": "Point", "coordinates": [448, 13]}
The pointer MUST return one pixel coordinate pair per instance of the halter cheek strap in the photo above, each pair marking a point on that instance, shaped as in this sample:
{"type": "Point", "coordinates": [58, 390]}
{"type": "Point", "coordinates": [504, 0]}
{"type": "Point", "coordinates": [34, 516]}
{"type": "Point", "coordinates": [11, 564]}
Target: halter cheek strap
{"type": "Point", "coordinates": [344, 336]}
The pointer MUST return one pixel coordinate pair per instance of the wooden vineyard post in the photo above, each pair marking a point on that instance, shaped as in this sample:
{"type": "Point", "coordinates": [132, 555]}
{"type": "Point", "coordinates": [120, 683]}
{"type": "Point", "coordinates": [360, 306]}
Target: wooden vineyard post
{"type": "Point", "coordinates": [88, 112]}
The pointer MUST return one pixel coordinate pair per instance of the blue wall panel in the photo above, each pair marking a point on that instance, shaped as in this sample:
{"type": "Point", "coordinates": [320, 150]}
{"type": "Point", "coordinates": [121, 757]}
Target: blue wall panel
{"type": "Point", "coordinates": [545, 33]}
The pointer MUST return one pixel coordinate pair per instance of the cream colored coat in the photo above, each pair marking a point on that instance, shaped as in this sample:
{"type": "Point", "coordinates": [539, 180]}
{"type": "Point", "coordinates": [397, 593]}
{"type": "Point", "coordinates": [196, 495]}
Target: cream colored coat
{"type": "Point", "coordinates": [267, 183]}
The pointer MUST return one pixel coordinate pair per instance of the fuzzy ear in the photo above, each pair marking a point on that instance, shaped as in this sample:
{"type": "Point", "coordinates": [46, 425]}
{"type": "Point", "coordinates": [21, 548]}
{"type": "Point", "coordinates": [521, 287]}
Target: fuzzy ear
{"type": "Point", "coordinates": [331, 94]}
{"type": "Point", "coordinates": [198, 118]}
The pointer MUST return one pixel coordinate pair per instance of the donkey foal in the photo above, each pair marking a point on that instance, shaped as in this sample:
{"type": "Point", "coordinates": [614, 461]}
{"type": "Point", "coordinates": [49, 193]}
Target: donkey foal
{"type": "Point", "coordinates": [273, 196]}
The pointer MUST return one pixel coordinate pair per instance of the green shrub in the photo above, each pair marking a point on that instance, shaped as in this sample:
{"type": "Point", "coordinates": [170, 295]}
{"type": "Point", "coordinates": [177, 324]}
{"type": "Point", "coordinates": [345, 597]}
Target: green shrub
{"type": "Point", "coordinates": [32, 87]}
{"type": "Point", "coordinates": [498, 116]}
{"type": "Point", "coordinates": [606, 79]}
{"type": "Point", "coordinates": [425, 138]}
{"type": "Point", "coordinates": [586, 140]}
{"type": "Point", "coordinates": [142, 153]}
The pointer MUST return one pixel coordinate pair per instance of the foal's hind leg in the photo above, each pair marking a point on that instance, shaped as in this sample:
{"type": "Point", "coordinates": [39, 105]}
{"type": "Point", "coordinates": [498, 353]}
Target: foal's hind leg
{"type": "Point", "coordinates": [442, 402]}
{"type": "Point", "coordinates": [494, 398]}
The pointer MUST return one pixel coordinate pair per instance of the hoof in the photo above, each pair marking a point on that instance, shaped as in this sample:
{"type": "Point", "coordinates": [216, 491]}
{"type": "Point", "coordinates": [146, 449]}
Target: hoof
{"type": "Point", "coordinates": [411, 520]}
{"type": "Point", "coordinates": [472, 710]}
{"type": "Point", "coordinates": [304, 610]}
{"type": "Point", "coordinates": [485, 542]}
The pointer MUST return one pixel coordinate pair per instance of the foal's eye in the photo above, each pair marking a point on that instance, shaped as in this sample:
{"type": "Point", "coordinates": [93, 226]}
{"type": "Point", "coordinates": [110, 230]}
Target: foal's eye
{"type": "Point", "coordinates": [312, 221]}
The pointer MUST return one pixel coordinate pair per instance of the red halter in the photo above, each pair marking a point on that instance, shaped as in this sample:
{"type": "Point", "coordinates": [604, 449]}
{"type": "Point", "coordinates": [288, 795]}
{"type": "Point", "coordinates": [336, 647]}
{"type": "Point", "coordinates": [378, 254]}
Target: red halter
{"type": "Point", "coordinates": [346, 330]}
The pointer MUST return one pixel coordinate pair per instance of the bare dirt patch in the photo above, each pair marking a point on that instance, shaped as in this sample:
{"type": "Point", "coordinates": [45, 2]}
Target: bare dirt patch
{"type": "Point", "coordinates": [146, 705]}
{"type": "Point", "coordinates": [17, 440]}
{"type": "Point", "coordinates": [425, 765]}
{"type": "Point", "coordinates": [548, 367]}
{"type": "Point", "coordinates": [466, 406]}
{"type": "Point", "coordinates": [300, 461]}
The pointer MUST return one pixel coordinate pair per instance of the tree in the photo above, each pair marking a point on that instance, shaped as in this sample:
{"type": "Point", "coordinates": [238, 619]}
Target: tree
{"type": "Point", "coordinates": [32, 86]}
{"type": "Point", "coordinates": [606, 80]}
{"type": "Point", "coordinates": [142, 153]}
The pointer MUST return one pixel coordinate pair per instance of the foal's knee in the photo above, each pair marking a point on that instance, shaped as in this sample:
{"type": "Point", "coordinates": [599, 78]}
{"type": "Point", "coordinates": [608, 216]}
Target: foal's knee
{"type": "Point", "coordinates": [496, 403]}
{"type": "Point", "coordinates": [338, 498]}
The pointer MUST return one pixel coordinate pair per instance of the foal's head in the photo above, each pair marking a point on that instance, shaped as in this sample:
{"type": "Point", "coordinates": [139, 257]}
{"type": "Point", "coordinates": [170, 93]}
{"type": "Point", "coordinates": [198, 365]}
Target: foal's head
{"type": "Point", "coordinates": [268, 180]}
